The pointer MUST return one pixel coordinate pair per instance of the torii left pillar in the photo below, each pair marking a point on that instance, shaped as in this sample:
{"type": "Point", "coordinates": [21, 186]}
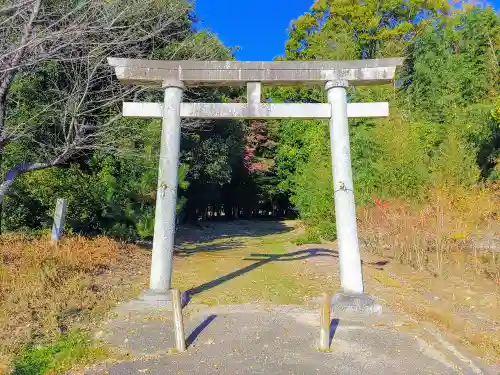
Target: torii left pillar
{"type": "Point", "coordinates": [166, 196]}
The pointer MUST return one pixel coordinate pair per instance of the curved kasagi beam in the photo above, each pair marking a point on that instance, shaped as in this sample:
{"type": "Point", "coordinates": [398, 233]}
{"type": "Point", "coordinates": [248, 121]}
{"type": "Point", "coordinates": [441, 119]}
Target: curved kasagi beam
{"type": "Point", "coordinates": [238, 73]}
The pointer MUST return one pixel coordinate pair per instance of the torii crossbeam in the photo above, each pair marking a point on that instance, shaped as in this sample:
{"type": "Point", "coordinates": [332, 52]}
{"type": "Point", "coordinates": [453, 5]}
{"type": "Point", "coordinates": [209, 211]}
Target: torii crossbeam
{"type": "Point", "coordinates": [335, 76]}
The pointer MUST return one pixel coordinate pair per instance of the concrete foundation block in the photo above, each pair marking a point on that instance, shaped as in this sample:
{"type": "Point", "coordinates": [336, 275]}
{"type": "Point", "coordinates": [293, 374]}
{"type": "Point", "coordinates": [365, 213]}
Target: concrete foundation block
{"type": "Point", "coordinates": [150, 300]}
{"type": "Point", "coordinates": [353, 303]}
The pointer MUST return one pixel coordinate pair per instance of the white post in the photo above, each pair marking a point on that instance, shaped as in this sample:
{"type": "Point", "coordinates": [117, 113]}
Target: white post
{"type": "Point", "coordinates": [345, 211]}
{"type": "Point", "coordinates": [166, 196]}
{"type": "Point", "coordinates": [59, 217]}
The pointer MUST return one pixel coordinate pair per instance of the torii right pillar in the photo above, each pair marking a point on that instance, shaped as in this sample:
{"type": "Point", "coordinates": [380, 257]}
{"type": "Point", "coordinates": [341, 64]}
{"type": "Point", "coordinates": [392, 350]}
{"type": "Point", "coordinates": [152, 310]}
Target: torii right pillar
{"type": "Point", "coordinates": [352, 299]}
{"type": "Point", "coordinates": [343, 189]}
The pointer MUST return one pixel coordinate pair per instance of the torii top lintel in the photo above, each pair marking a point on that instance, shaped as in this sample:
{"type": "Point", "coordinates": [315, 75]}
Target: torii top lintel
{"type": "Point", "coordinates": [237, 73]}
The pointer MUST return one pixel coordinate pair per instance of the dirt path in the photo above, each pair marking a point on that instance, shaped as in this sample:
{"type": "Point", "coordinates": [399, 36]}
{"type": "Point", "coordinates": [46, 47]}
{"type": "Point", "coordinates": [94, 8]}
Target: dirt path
{"type": "Point", "coordinates": [441, 323]}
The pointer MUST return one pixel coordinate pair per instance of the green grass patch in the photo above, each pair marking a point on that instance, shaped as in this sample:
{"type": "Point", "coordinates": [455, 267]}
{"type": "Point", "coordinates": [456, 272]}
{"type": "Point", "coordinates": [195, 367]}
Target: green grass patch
{"type": "Point", "coordinates": [310, 237]}
{"type": "Point", "coordinates": [72, 349]}
{"type": "Point", "coordinates": [244, 276]}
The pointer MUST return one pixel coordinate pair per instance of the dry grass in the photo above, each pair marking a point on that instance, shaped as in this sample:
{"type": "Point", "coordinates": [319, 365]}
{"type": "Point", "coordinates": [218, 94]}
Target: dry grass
{"type": "Point", "coordinates": [45, 289]}
{"type": "Point", "coordinates": [449, 282]}
{"type": "Point", "coordinates": [439, 232]}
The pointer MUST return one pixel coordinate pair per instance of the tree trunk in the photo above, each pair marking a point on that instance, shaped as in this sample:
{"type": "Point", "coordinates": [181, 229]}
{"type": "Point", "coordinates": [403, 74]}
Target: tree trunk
{"type": "Point", "coordinates": [23, 168]}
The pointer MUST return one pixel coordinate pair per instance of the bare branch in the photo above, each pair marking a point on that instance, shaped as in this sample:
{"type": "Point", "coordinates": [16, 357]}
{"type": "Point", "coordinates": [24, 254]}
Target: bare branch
{"type": "Point", "coordinates": [79, 109]}
{"type": "Point", "coordinates": [8, 11]}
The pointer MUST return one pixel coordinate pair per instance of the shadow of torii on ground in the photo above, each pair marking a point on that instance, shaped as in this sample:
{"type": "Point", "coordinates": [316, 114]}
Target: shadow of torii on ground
{"type": "Point", "coordinates": [262, 259]}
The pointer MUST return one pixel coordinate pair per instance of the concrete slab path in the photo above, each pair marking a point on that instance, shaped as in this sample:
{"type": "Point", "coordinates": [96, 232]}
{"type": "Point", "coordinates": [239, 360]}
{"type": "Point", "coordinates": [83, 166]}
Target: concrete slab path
{"type": "Point", "coordinates": [249, 339]}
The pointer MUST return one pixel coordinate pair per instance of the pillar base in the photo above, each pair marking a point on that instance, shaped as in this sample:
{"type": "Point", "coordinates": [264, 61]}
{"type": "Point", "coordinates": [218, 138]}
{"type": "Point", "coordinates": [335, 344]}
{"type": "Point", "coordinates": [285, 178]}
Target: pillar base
{"type": "Point", "coordinates": [353, 303]}
{"type": "Point", "coordinates": [150, 300]}
{"type": "Point", "coordinates": [162, 299]}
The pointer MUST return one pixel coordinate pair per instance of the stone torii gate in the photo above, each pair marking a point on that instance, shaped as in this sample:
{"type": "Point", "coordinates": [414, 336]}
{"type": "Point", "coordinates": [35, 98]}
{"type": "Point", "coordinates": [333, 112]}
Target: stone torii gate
{"type": "Point", "coordinates": [335, 76]}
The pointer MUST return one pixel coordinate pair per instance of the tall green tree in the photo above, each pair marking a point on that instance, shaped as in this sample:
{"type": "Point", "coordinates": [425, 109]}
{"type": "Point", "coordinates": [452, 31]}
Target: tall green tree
{"type": "Point", "coordinates": [350, 29]}
{"type": "Point", "coordinates": [440, 130]}
{"type": "Point", "coordinates": [451, 78]}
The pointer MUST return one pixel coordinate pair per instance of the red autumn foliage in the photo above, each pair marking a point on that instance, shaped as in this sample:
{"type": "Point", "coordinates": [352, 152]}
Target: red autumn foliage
{"type": "Point", "coordinates": [381, 204]}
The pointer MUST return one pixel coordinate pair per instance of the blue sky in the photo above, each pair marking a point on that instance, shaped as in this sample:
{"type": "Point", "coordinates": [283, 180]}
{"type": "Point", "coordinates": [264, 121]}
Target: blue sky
{"type": "Point", "coordinates": [258, 27]}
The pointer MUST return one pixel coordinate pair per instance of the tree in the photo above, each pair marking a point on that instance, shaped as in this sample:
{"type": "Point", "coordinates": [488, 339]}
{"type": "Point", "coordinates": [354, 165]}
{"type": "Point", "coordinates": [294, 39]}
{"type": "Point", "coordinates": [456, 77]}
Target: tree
{"type": "Point", "coordinates": [58, 98]}
{"type": "Point", "coordinates": [453, 64]}
{"type": "Point", "coordinates": [440, 124]}
{"type": "Point", "coordinates": [452, 78]}
{"type": "Point", "coordinates": [339, 29]}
